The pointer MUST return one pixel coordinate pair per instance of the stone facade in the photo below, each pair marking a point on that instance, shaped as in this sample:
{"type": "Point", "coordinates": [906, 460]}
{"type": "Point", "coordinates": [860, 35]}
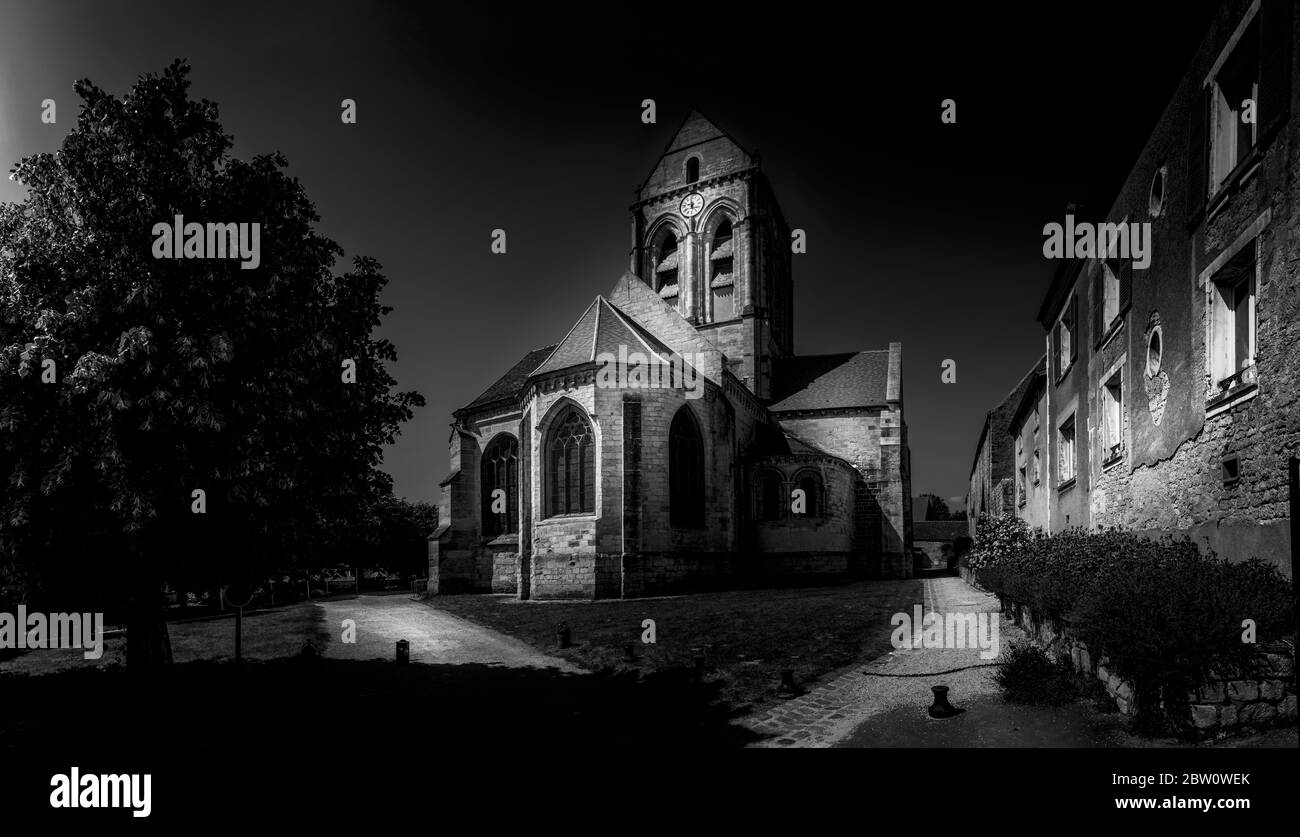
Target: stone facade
{"type": "Point", "coordinates": [710, 284]}
{"type": "Point", "coordinates": [1220, 704]}
{"type": "Point", "coordinates": [1033, 459]}
{"type": "Point", "coordinates": [993, 471]}
{"type": "Point", "coordinates": [1200, 349]}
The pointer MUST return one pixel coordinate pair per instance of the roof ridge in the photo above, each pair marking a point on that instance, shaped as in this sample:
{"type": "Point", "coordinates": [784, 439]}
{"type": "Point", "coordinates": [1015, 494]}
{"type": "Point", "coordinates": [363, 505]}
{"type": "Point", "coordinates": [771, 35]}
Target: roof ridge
{"type": "Point", "coordinates": [627, 321]}
{"type": "Point", "coordinates": [567, 334]}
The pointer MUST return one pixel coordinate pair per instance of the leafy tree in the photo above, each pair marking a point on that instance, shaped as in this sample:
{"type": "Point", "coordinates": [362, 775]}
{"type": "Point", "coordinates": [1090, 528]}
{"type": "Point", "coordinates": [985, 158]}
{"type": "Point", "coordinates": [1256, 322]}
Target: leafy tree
{"type": "Point", "coordinates": [177, 375]}
{"type": "Point", "coordinates": [937, 508]}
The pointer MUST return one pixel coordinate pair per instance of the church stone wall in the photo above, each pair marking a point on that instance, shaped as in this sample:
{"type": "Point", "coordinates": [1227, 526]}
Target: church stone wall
{"type": "Point", "coordinates": [851, 434]}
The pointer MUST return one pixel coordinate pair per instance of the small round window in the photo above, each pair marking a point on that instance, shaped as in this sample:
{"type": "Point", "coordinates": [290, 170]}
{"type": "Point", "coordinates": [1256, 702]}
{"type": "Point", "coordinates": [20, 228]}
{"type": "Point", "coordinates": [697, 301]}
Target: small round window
{"type": "Point", "coordinates": [1153, 353]}
{"type": "Point", "coordinates": [1157, 203]}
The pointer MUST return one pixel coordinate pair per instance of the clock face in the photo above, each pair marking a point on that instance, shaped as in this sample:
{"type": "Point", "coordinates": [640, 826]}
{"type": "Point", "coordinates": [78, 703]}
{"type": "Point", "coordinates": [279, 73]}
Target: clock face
{"type": "Point", "coordinates": [692, 204]}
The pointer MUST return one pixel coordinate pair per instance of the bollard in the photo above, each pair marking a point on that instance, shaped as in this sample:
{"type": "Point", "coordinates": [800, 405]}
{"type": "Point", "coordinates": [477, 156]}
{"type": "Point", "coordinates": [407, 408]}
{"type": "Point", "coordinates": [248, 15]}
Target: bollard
{"type": "Point", "coordinates": [562, 635]}
{"type": "Point", "coordinates": [629, 652]}
{"type": "Point", "coordinates": [941, 708]}
{"type": "Point", "coordinates": [403, 652]}
{"type": "Point", "coordinates": [787, 682]}
{"type": "Point", "coordinates": [699, 666]}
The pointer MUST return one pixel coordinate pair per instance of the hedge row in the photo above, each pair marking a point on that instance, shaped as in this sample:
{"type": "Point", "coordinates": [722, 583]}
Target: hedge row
{"type": "Point", "coordinates": [1166, 615]}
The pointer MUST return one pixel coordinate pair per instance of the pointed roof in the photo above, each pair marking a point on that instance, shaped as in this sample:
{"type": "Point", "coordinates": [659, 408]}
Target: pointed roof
{"type": "Point", "coordinates": [508, 385]}
{"type": "Point", "coordinates": [602, 329]}
{"type": "Point", "coordinates": [696, 129]}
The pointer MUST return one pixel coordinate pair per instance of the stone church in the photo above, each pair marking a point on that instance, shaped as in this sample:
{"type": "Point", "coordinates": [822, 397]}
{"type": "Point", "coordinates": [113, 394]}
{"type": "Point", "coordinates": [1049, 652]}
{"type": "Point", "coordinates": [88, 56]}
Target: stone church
{"type": "Point", "coordinates": [742, 464]}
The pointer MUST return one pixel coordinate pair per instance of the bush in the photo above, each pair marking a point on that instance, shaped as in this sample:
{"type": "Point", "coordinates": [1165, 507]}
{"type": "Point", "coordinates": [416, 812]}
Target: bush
{"type": "Point", "coordinates": [1027, 675]}
{"type": "Point", "coordinates": [1171, 621]}
{"type": "Point", "coordinates": [1163, 614]}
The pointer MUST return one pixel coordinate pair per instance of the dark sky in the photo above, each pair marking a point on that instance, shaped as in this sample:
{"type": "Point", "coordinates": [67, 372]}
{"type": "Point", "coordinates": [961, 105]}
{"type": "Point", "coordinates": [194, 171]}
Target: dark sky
{"type": "Point", "coordinates": [920, 232]}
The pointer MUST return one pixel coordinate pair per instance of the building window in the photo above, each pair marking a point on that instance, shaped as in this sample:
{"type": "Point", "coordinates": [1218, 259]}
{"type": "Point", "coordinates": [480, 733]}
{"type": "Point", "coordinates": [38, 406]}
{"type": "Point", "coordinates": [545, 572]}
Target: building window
{"type": "Point", "coordinates": [1232, 324]}
{"type": "Point", "coordinates": [1231, 139]}
{"type": "Point", "coordinates": [685, 471]}
{"type": "Point", "coordinates": [811, 485]}
{"type": "Point", "coordinates": [1063, 338]}
{"type": "Point", "coordinates": [1156, 200]}
{"type": "Point", "coordinates": [1231, 471]}
{"type": "Point", "coordinates": [500, 470]}
{"type": "Point", "coordinates": [692, 169]}
{"type": "Point", "coordinates": [1112, 413]}
{"type": "Point", "coordinates": [1065, 474]}
{"type": "Point", "coordinates": [571, 459]}
{"type": "Point", "coordinates": [1037, 473]}
{"type": "Point", "coordinates": [666, 258]}
{"type": "Point", "coordinates": [1020, 486]}
{"type": "Point", "coordinates": [1153, 353]}
{"type": "Point", "coordinates": [721, 272]}
{"type": "Point", "coordinates": [770, 496]}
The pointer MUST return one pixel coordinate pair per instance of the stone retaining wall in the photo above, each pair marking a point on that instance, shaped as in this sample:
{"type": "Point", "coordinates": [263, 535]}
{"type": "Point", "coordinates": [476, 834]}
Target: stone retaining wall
{"type": "Point", "coordinates": [1221, 704]}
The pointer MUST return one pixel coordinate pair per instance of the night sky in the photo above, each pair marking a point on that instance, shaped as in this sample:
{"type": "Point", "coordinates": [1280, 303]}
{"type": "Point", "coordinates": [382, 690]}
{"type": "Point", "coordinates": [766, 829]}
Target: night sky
{"type": "Point", "coordinates": [925, 233]}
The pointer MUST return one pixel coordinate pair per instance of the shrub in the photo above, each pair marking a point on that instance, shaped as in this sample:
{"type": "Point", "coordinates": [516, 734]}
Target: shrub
{"type": "Point", "coordinates": [1164, 615]}
{"type": "Point", "coordinates": [1173, 619]}
{"type": "Point", "coordinates": [1027, 675]}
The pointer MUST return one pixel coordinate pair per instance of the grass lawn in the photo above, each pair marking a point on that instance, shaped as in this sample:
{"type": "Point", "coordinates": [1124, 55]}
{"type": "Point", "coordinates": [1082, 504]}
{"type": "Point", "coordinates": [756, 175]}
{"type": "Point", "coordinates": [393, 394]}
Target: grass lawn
{"type": "Point", "coordinates": [267, 635]}
{"type": "Point", "coordinates": [747, 636]}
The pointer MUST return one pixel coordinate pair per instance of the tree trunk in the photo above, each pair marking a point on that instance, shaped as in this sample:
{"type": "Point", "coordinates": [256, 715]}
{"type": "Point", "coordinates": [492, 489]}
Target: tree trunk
{"type": "Point", "coordinates": [148, 646]}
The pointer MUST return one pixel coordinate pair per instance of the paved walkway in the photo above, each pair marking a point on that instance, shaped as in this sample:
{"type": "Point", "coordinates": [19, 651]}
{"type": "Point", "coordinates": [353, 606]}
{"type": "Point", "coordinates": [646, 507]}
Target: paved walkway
{"type": "Point", "coordinates": [435, 636]}
{"type": "Point", "coordinates": [897, 681]}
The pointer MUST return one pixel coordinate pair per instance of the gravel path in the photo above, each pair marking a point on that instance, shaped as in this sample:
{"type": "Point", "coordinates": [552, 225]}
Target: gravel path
{"type": "Point", "coordinates": [435, 636]}
{"type": "Point", "coordinates": [884, 703]}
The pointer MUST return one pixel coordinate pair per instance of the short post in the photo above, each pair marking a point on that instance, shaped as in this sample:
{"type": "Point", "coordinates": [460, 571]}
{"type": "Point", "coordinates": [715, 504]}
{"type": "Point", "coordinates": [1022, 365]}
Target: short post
{"type": "Point", "coordinates": [403, 652]}
{"type": "Point", "coordinates": [239, 633]}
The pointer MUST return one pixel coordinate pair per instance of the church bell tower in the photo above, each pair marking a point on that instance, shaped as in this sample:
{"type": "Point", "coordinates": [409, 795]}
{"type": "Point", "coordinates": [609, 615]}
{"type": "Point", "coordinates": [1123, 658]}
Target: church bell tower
{"type": "Point", "coordinates": [709, 237]}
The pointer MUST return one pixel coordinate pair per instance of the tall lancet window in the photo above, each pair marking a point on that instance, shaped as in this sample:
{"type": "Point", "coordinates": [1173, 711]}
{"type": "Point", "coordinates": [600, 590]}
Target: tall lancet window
{"type": "Point", "coordinates": [667, 264]}
{"type": "Point", "coordinates": [500, 470]}
{"type": "Point", "coordinates": [571, 460]}
{"type": "Point", "coordinates": [722, 282]}
{"type": "Point", "coordinates": [685, 471]}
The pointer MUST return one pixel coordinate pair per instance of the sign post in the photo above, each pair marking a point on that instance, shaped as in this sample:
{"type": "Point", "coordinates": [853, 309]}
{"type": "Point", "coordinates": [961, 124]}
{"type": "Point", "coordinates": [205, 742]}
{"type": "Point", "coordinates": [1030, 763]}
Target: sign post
{"type": "Point", "coordinates": [238, 595]}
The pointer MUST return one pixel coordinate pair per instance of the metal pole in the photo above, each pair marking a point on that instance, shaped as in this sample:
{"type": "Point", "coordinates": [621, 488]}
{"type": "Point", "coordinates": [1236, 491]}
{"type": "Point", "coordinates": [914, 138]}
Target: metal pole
{"type": "Point", "coordinates": [239, 633]}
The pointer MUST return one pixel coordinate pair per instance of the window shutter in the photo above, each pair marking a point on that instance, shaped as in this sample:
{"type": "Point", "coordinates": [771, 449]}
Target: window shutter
{"type": "Point", "coordinates": [1098, 295]}
{"type": "Point", "coordinates": [1074, 327]}
{"type": "Point", "coordinates": [1056, 352]}
{"type": "Point", "coordinates": [1125, 284]}
{"type": "Point", "coordinates": [1274, 65]}
{"type": "Point", "coordinates": [1198, 126]}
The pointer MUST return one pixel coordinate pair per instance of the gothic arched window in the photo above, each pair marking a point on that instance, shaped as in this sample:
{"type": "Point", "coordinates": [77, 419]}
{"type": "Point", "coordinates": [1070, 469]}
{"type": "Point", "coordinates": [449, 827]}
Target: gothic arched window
{"type": "Point", "coordinates": [571, 461]}
{"type": "Point", "coordinates": [810, 482]}
{"type": "Point", "coordinates": [685, 471]}
{"type": "Point", "coordinates": [666, 266]}
{"type": "Point", "coordinates": [721, 273]}
{"type": "Point", "coordinates": [500, 470]}
{"type": "Point", "coordinates": [770, 496]}
{"type": "Point", "coordinates": [692, 169]}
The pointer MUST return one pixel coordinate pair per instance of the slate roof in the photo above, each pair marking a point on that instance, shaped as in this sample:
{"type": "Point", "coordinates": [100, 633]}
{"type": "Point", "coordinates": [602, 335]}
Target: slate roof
{"type": "Point", "coordinates": [827, 382]}
{"type": "Point", "coordinates": [602, 328]}
{"type": "Point", "coordinates": [939, 530]}
{"type": "Point", "coordinates": [509, 384]}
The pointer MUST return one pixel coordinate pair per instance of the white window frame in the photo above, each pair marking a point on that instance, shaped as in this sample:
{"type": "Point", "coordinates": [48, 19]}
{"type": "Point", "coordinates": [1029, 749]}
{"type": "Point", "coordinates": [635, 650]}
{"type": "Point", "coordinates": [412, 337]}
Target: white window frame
{"type": "Point", "coordinates": [1219, 171]}
{"type": "Point", "coordinates": [1219, 321]}
{"type": "Point", "coordinates": [1112, 416]}
{"type": "Point", "coordinates": [1070, 457]}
